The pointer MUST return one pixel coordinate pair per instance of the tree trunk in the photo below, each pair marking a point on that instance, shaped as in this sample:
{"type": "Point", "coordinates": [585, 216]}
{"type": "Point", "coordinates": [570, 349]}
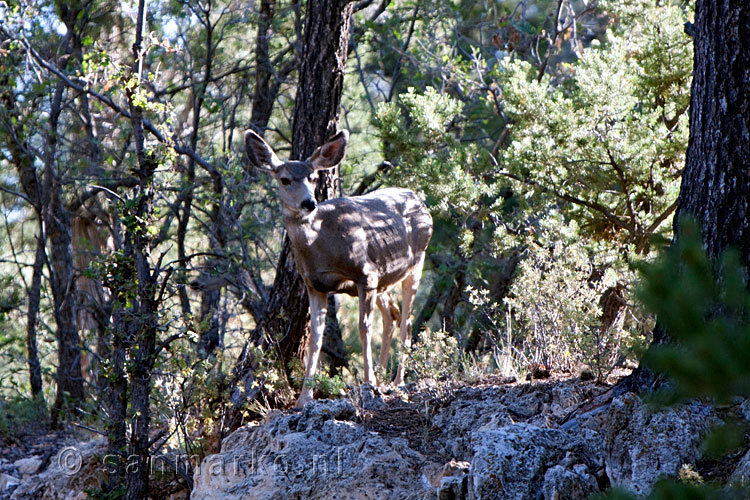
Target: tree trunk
{"type": "Point", "coordinates": [315, 119]}
{"type": "Point", "coordinates": [117, 397]}
{"type": "Point", "coordinates": [32, 317]}
{"type": "Point", "coordinates": [15, 140]}
{"type": "Point", "coordinates": [454, 297]}
{"type": "Point", "coordinates": [57, 222]}
{"type": "Point", "coordinates": [333, 341]}
{"type": "Point", "coordinates": [137, 246]}
{"type": "Point", "coordinates": [54, 220]}
{"type": "Point", "coordinates": [264, 96]}
{"type": "Point", "coordinates": [716, 180]}
{"type": "Point", "coordinates": [715, 187]}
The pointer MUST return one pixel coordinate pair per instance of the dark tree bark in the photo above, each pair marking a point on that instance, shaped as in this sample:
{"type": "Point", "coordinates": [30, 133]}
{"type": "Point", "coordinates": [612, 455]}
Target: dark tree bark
{"type": "Point", "coordinates": [715, 187]}
{"type": "Point", "coordinates": [46, 195]}
{"type": "Point", "coordinates": [145, 315]}
{"type": "Point", "coordinates": [209, 338]}
{"type": "Point", "coordinates": [186, 199]}
{"type": "Point", "coordinates": [333, 341]}
{"type": "Point", "coordinates": [325, 39]}
{"type": "Point", "coordinates": [57, 221]}
{"type": "Point", "coordinates": [117, 400]}
{"type": "Point", "coordinates": [316, 116]}
{"type": "Point", "coordinates": [716, 180]}
{"type": "Point", "coordinates": [32, 317]}
{"type": "Point", "coordinates": [454, 297]}
{"type": "Point", "coordinates": [265, 90]}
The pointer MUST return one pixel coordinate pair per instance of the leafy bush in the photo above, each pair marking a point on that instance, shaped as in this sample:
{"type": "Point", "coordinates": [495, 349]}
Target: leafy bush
{"type": "Point", "coordinates": [330, 386]}
{"type": "Point", "coordinates": [556, 303]}
{"type": "Point", "coordinates": [437, 356]}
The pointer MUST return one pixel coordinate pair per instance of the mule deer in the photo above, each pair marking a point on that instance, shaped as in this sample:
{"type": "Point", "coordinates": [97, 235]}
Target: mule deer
{"type": "Point", "coordinates": [361, 246]}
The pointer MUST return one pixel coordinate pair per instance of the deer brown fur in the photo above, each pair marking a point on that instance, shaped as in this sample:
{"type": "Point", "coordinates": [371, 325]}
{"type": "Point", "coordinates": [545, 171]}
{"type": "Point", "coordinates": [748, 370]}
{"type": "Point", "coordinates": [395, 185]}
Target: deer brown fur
{"type": "Point", "coordinates": [362, 246]}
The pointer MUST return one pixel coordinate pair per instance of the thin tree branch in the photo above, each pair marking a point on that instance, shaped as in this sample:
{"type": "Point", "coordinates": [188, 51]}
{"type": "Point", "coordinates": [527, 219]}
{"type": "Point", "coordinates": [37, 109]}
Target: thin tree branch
{"type": "Point", "coordinates": [83, 87]}
{"type": "Point", "coordinates": [597, 207]}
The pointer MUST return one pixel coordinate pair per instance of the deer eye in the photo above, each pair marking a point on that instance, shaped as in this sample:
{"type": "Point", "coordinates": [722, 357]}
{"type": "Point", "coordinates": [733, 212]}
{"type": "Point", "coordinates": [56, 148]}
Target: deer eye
{"type": "Point", "coordinates": [285, 181]}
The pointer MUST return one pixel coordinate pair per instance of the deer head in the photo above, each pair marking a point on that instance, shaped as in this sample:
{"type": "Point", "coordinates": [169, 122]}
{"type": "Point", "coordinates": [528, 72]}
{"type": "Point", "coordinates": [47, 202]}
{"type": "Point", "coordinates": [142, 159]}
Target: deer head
{"type": "Point", "coordinates": [296, 179]}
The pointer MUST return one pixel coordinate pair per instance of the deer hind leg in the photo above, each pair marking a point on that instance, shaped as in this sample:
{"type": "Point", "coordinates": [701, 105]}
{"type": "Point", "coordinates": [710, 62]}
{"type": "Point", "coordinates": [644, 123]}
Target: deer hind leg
{"type": "Point", "coordinates": [390, 314]}
{"type": "Point", "coordinates": [409, 287]}
{"type": "Point", "coordinates": [318, 309]}
{"type": "Point", "coordinates": [367, 299]}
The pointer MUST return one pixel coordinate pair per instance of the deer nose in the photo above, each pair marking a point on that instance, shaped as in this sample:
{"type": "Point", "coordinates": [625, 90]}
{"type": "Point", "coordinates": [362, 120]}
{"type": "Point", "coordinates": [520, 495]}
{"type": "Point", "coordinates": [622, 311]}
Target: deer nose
{"type": "Point", "coordinates": [309, 204]}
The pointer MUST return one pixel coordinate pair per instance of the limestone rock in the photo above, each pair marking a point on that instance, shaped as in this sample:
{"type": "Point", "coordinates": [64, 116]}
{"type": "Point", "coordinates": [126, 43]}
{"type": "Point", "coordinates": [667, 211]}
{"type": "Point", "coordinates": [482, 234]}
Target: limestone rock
{"type": "Point", "coordinates": [453, 481]}
{"type": "Point", "coordinates": [27, 466]}
{"type": "Point", "coordinates": [741, 474]}
{"type": "Point", "coordinates": [453, 488]}
{"type": "Point", "coordinates": [318, 453]}
{"type": "Point", "coordinates": [471, 409]}
{"type": "Point", "coordinates": [512, 462]}
{"type": "Point", "coordinates": [7, 482]}
{"type": "Point", "coordinates": [562, 483]}
{"type": "Point", "coordinates": [370, 398]}
{"type": "Point", "coordinates": [642, 446]}
{"type": "Point", "coordinates": [72, 470]}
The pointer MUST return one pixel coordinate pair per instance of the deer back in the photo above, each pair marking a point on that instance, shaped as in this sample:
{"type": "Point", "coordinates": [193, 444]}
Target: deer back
{"type": "Point", "coordinates": [372, 240]}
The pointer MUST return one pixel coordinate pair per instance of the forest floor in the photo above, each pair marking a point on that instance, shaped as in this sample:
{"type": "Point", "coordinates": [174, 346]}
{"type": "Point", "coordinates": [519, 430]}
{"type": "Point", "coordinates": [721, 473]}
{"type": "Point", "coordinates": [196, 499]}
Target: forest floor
{"type": "Point", "coordinates": [546, 401]}
{"type": "Point", "coordinates": [407, 412]}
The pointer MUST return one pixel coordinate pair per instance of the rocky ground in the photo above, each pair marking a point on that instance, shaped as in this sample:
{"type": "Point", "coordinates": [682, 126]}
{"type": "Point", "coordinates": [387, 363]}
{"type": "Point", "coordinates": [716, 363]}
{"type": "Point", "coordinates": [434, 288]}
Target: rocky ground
{"type": "Point", "coordinates": [432, 440]}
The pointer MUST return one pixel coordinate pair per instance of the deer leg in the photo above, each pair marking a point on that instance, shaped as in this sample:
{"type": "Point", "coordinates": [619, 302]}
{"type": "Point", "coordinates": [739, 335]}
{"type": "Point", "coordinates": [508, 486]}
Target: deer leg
{"type": "Point", "coordinates": [384, 304]}
{"type": "Point", "coordinates": [318, 309]}
{"type": "Point", "coordinates": [367, 300]}
{"type": "Point", "coordinates": [409, 287]}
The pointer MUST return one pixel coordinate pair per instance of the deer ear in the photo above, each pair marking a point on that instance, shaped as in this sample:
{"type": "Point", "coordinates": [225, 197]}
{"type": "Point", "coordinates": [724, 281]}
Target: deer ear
{"type": "Point", "coordinates": [259, 153]}
{"type": "Point", "coordinates": [331, 153]}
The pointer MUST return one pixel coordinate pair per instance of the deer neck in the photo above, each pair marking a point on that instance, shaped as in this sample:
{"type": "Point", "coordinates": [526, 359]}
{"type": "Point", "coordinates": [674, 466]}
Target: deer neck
{"type": "Point", "coordinates": [302, 229]}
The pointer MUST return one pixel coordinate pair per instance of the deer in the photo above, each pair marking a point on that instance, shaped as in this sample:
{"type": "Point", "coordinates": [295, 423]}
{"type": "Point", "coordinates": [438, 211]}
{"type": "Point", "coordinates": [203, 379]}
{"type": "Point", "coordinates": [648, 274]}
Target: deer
{"type": "Point", "coordinates": [362, 246]}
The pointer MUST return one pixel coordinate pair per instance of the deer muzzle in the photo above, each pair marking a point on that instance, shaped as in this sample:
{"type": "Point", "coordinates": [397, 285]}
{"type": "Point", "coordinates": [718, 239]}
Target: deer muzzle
{"type": "Point", "coordinates": [309, 204]}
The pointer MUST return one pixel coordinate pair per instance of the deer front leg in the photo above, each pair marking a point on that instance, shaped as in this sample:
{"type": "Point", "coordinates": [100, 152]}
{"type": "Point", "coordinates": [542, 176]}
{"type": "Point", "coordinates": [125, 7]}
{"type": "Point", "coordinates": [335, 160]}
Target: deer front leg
{"type": "Point", "coordinates": [409, 287]}
{"type": "Point", "coordinates": [318, 308]}
{"type": "Point", "coordinates": [389, 313]}
{"type": "Point", "coordinates": [366, 306]}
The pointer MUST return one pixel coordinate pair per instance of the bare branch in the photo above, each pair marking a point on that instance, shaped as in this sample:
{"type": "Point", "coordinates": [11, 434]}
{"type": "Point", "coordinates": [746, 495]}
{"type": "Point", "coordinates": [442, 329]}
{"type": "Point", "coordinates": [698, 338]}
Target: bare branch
{"type": "Point", "coordinates": [81, 86]}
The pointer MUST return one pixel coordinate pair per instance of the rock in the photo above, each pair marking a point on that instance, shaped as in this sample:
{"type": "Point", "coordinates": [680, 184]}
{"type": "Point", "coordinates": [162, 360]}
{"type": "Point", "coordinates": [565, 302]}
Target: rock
{"type": "Point", "coordinates": [745, 409]}
{"type": "Point", "coordinates": [71, 471]}
{"type": "Point", "coordinates": [512, 462]}
{"type": "Point", "coordinates": [741, 474]}
{"type": "Point", "coordinates": [455, 468]}
{"type": "Point", "coordinates": [453, 488]}
{"type": "Point", "coordinates": [452, 483]}
{"type": "Point", "coordinates": [562, 483]}
{"type": "Point", "coordinates": [7, 482]}
{"type": "Point", "coordinates": [595, 420]}
{"type": "Point", "coordinates": [371, 398]}
{"type": "Point", "coordinates": [475, 448]}
{"type": "Point", "coordinates": [318, 453]}
{"type": "Point", "coordinates": [28, 466]}
{"type": "Point", "coordinates": [642, 446]}
{"type": "Point", "coordinates": [471, 409]}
